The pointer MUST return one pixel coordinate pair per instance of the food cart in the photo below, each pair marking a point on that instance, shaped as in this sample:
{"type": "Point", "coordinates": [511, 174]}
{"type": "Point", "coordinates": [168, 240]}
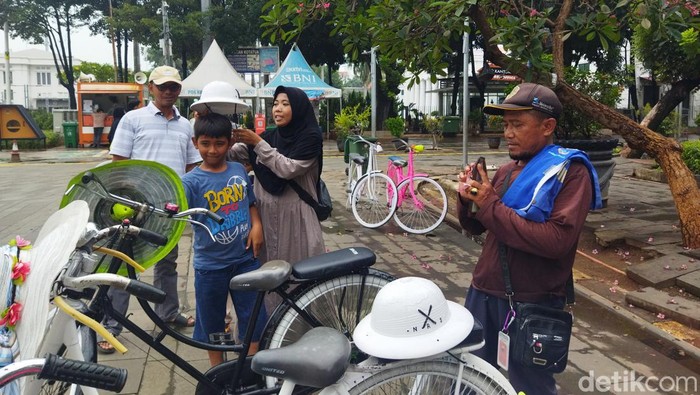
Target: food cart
{"type": "Point", "coordinates": [104, 95]}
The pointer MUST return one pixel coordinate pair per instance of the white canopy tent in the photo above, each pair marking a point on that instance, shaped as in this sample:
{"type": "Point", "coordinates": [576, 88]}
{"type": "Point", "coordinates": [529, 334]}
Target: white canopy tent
{"type": "Point", "coordinates": [215, 67]}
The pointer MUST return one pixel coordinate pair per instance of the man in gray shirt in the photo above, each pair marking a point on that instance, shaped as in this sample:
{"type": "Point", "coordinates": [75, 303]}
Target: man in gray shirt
{"type": "Point", "coordinates": [159, 133]}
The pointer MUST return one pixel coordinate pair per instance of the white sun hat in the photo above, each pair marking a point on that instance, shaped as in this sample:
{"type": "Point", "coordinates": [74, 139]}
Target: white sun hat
{"type": "Point", "coordinates": [219, 97]}
{"type": "Point", "coordinates": [410, 318]}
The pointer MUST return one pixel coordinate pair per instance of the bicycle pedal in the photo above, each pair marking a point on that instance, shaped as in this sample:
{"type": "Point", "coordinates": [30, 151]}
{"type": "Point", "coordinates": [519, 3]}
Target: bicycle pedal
{"type": "Point", "coordinates": [222, 338]}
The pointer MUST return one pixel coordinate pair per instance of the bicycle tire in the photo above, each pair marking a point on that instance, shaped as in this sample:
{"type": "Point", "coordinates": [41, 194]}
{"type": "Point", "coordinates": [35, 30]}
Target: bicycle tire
{"type": "Point", "coordinates": [429, 213]}
{"type": "Point", "coordinates": [437, 377]}
{"type": "Point", "coordinates": [88, 346]}
{"type": "Point", "coordinates": [322, 299]}
{"type": "Point", "coordinates": [373, 200]}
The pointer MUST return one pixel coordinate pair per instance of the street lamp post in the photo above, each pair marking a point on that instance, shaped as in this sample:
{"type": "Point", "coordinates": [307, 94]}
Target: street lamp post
{"type": "Point", "coordinates": [166, 35]}
{"type": "Point", "coordinates": [465, 96]}
{"type": "Point", "coordinates": [8, 83]}
{"type": "Point", "coordinates": [373, 73]}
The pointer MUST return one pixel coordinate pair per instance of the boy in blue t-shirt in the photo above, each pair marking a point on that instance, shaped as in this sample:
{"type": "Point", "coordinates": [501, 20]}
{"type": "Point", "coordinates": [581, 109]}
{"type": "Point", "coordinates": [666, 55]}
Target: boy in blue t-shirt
{"type": "Point", "coordinates": [224, 188]}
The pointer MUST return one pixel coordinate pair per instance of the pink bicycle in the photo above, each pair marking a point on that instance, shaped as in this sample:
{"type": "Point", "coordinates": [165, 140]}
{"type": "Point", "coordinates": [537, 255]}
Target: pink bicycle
{"type": "Point", "coordinates": [422, 204]}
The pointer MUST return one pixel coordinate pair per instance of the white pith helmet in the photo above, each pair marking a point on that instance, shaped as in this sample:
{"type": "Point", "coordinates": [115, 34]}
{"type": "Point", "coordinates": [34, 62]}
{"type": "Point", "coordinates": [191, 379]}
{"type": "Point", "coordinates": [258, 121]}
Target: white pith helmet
{"type": "Point", "coordinates": [219, 97]}
{"type": "Point", "coordinates": [410, 318]}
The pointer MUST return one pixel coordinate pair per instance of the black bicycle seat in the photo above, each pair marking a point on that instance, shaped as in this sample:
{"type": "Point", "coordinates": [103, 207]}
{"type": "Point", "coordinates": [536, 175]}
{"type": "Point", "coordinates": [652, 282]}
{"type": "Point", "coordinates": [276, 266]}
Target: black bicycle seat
{"type": "Point", "coordinates": [333, 263]}
{"type": "Point", "coordinates": [357, 158]}
{"type": "Point", "coordinates": [268, 277]}
{"type": "Point", "coordinates": [317, 360]}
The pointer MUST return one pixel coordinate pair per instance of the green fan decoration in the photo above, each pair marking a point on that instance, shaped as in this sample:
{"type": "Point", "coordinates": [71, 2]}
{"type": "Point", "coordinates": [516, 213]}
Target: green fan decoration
{"type": "Point", "coordinates": [141, 181]}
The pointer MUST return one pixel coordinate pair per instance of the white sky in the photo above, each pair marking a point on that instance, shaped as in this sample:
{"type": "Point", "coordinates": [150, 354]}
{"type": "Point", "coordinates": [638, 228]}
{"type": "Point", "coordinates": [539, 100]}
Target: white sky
{"type": "Point", "coordinates": [87, 48]}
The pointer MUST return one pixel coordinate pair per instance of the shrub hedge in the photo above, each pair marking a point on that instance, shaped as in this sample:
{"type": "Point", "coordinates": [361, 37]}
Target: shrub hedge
{"type": "Point", "coordinates": [691, 155]}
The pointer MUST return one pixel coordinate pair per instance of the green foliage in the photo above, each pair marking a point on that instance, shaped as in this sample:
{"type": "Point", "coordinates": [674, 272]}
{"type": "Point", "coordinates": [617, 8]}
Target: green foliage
{"type": "Point", "coordinates": [395, 126]}
{"type": "Point", "coordinates": [249, 120]}
{"type": "Point", "coordinates": [102, 72]}
{"type": "Point", "coordinates": [603, 87]}
{"type": "Point", "coordinates": [433, 124]}
{"type": "Point", "coordinates": [52, 140]}
{"type": "Point", "coordinates": [352, 120]}
{"type": "Point", "coordinates": [691, 155]}
{"type": "Point", "coordinates": [697, 120]}
{"type": "Point", "coordinates": [666, 38]}
{"type": "Point", "coordinates": [43, 118]}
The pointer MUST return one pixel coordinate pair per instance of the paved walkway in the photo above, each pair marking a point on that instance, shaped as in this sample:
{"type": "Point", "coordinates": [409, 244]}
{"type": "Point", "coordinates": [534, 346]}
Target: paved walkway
{"type": "Point", "coordinates": [640, 213]}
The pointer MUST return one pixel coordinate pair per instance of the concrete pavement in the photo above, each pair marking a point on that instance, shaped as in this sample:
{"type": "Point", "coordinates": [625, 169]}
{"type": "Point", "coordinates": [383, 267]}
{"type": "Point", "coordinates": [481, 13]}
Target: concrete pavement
{"type": "Point", "coordinates": [640, 213]}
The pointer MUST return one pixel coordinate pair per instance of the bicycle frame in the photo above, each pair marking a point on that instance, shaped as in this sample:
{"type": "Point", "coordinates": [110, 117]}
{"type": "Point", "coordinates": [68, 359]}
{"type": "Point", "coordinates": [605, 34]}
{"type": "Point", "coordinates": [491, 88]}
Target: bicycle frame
{"type": "Point", "coordinates": [396, 174]}
{"type": "Point", "coordinates": [355, 171]}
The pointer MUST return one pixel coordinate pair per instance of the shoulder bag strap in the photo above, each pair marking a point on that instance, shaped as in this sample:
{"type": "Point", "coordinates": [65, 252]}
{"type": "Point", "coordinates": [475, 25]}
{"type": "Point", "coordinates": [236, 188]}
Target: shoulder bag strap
{"type": "Point", "coordinates": [305, 196]}
{"type": "Point", "coordinates": [502, 257]}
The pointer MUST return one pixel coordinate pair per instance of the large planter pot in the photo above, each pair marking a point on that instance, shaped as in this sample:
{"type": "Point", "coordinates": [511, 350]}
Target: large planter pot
{"type": "Point", "coordinates": [493, 142]}
{"type": "Point", "coordinates": [600, 154]}
{"type": "Point", "coordinates": [341, 143]}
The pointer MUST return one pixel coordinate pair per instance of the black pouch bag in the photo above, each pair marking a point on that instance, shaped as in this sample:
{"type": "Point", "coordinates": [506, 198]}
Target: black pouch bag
{"type": "Point", "coordinates": [542, 337]}
{"type": "Point", "coordinates": [324, 206]}
{"type": "Point", "coordinates": [543, 333]}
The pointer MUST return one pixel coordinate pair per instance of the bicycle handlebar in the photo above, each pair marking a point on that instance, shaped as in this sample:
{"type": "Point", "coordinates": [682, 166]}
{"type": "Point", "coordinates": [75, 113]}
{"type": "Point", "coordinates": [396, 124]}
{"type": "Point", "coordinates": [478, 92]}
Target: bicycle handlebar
{"type": "Point", "coordinates": [83, 373]}
{"type": "Point", "coordinates": [145, 234]}
{"type": "Point", "coordinates": [88, 177]}
{"type": "Point", "coordinates": [72, 279]}
{"type": "Point", "coordinates": [134, 287]}
{"type": "Point", "coordinates": [54, 367]}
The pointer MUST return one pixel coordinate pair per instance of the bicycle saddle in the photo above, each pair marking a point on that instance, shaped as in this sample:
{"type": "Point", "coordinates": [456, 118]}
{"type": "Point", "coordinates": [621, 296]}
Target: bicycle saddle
{"type": "Point", "coordinates": [357, 158]}
{"type": "Point", "coordinates": [269, 276]}
{"type": "Point", "coordinates": [332, 263]}
{"type": "Point", "coordinates": [317, 360]}
{"type": "Point", "coordinates": [398, 161]}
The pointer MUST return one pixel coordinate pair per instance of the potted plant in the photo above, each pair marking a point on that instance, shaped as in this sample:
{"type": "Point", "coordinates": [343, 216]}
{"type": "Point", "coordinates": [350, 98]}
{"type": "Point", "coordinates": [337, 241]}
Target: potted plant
{"type": "Point", "coordinates": [433, 125]}
{"type": "Point", "coordinates": [396, 128]}
{"type": "Point", "coordinates": [350, 121]}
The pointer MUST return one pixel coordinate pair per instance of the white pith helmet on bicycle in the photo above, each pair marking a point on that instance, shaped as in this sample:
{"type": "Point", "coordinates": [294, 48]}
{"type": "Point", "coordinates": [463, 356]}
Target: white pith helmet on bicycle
{"type": "Point", "coordinates": [411, 318]}
{"type": "Point", "coordinates": [219, 97]}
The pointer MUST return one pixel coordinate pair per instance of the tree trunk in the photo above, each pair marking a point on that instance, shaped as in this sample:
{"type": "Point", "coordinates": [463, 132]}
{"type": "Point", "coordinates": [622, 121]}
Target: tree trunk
{"type": "Point", "coordinates": [666, 151]}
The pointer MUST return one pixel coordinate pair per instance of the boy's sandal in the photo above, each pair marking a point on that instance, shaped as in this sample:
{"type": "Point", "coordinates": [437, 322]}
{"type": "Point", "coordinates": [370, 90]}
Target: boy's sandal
{"type": "Point", "coordinates": [105, 348]}
{"type": "Point", "coordinates": [182, 321]}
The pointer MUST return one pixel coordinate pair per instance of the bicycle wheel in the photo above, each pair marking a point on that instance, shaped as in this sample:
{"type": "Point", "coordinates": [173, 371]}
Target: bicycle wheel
{"type": "Point", "coordinates": [339, 303]}
{"type": "Point", "coordinates": [423, 208]}
{"type": "Point", "coordinates": [431, 378]}
{"type": "Point", "coordinates": [374, 200]}
{"type": "Point", "coordinates": [88, 341]}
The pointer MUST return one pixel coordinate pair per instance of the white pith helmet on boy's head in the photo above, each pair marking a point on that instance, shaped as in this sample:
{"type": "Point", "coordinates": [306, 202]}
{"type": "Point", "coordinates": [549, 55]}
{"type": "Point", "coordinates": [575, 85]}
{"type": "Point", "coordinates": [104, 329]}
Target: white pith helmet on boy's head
{"type": "Point", "coordinates": [219, 97]}
{"type": "Point", "coordinates": [410, 318]}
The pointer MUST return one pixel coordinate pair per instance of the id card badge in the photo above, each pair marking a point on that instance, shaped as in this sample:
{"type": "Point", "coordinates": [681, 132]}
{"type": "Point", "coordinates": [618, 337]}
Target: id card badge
{"type": "Point", "coordinates": [503, 350]}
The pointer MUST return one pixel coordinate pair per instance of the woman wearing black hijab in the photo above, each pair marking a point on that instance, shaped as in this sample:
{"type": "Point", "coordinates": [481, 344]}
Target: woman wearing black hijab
{"type": "Point", "coordinates": [292, 151]}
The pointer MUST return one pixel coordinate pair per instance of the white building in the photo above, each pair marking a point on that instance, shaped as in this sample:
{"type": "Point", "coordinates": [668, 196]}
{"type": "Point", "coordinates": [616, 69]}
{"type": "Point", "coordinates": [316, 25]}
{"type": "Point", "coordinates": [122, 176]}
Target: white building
{"type": "Point", "coordinates": [33, 80]}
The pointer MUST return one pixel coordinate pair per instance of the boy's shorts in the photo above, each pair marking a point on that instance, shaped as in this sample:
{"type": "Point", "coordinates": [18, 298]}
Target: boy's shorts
{"type": "Point", "coordinates": [211, 293]}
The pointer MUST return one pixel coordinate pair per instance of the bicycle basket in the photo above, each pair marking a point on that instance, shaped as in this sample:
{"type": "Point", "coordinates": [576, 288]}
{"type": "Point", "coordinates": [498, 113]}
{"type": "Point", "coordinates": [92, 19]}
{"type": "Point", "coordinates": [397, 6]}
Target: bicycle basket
{"type": "Point", "coordinates": [141, 181]}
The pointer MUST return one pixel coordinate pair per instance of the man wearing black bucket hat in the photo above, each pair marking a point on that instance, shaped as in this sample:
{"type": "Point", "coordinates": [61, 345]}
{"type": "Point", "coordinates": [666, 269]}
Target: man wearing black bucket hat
{"type": "Point", "coordinates": [534, 209]}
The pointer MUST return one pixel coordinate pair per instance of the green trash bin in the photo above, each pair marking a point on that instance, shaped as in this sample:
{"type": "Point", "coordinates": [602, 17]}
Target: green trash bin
{"type": "Point", "coordinates": [353, 145]}
{"type": "Point", "coordinates": [70, 134]}
{"type": "Point", "coordinates": [451, 125]}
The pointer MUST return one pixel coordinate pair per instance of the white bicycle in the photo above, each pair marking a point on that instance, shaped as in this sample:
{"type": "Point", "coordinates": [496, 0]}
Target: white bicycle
{"type": "Point", "coordinates": [406, 335]}
{"type": "Point", "coordinates": [371, 194]}
{"type": "Point", "coordinates": [58, 325]}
